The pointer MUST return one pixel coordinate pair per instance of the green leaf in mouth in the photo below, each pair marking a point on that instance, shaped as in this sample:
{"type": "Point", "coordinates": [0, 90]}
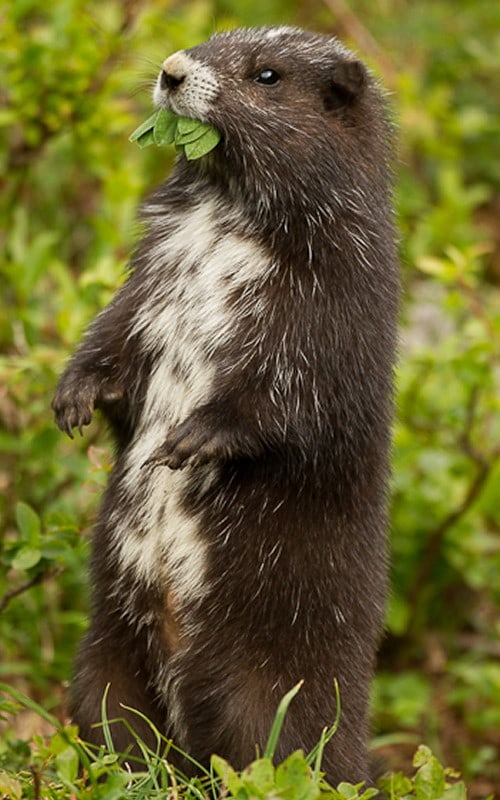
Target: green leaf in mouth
{"type": "Point", "coordinates": [203, 145]}
{"type": "Point", "coordinates": [164, 127]}
{"type": "Point", "coordinates": [146, 126]}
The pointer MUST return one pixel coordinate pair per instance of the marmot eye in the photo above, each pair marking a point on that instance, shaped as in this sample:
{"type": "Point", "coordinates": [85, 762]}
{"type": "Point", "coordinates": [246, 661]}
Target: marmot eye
{"type": "Point", "coordinates": [269, 77]}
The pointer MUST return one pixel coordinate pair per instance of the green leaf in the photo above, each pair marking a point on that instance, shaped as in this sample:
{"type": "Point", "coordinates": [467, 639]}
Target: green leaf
{"type": "Point", "coordinates": [186, 125]}
{"type": "Point", "coordinates": [67, 764]}
{"type": "Point", "coordinates": [192, 136]}
{"type": "Point", "coordinates": [369, 793]}
{"type": "Point", "coordinates": [203, 145]}
{"type": "Point", "coordinates": [26, 558]}
{"type": "Point", "coordinates": [258, 777]}
{"type": "Point", "coordinates": [146, 139]}
{"type": "Point", "coordinates": [146, 126]}
{"type": "Point", "coordinates": [165, 127]}
{"type": "Point", "coordinates": [227, 774]}
{"type": "Point", "coordinates": [28, 522]}
{"type": "Point", "coordinates": [294, 778]}
{"type": "Point", "coordinates": [429, 781]}
{"type": "Point", "coordinates": [348, 790]}
{"type": "Point", "coordinates": [455, 792]}
{"type": "Point", "coordinates": [395, 785]}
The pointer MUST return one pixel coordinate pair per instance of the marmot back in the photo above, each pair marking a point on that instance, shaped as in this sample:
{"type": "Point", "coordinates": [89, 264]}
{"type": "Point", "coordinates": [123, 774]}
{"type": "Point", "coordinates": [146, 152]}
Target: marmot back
{"type": "Point", "coordinates": [246, 370]}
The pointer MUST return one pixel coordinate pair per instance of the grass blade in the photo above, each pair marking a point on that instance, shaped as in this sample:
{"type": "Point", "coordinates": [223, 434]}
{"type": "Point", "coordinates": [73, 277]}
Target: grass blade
{"type": "Point", "coordinates": [279, 719]}
{"type": "Point", "coordinates": [106, 731]}
{"type": "Point", "coordinates": [316, 753]}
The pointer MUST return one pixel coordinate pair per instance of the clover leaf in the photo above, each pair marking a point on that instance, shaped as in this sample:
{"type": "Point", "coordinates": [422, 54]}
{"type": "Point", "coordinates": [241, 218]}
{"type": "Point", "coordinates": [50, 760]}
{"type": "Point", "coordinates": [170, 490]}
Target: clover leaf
{"type": "Point", "coordinates": [164, 127]}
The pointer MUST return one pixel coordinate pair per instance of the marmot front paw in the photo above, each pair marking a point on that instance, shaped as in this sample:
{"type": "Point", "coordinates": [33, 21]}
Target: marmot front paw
{"type": "Point", "coordinates": [190, 443]}
{"type": "Point", "coordinates": [76, 398]}
{"type": "Point", "coordinates": [74, 403]}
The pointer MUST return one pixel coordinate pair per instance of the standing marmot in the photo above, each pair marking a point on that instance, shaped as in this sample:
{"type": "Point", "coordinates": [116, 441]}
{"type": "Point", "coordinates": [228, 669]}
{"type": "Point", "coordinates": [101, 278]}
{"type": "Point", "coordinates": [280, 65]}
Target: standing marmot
{"type": "Point", "coordinates": [246, 370]}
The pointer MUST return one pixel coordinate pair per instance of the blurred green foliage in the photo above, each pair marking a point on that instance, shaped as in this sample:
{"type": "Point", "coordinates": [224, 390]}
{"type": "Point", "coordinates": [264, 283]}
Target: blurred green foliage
{"type": "Point", "coordinates": [76, 79]}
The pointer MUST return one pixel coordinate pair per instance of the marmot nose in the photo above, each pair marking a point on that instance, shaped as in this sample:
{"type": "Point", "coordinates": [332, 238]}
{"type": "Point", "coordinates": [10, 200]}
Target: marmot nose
{"type": "Point", "coordinates": [174, 71]}
{"type": "Point", "coordinates": [169, 81]}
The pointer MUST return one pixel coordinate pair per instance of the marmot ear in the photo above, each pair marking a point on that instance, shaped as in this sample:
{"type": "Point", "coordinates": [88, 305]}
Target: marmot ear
{"type": "Point", "coordinates": [347, 81]}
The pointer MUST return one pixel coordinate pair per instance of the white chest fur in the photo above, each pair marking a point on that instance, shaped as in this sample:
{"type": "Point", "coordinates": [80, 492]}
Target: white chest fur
{"type": "Point", "coordinates": [182, 325]}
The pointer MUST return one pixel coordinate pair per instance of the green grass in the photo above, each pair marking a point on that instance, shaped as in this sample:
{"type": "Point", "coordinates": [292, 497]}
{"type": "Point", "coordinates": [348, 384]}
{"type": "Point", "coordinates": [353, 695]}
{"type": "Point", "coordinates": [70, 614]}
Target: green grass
{"type": "Point", "coordinates": [61, 766]}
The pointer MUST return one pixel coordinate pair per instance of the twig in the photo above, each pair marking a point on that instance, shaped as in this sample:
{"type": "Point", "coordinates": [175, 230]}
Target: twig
{"type": "Point", "coordinates": [484, 467]}
{"type": "Point", "coordinates": [435, 539]}
{"type": "Point", "coordinates": [41, 576]}
{"type": "Point", "coordinates": [364, 40]}
{"type": "Point", "coordinates": [412, 397]}
{"type": "Point", "coordinates": [37, 784]}
{"type": "Point", "coordinates": [471, 641]}
{"type": "Point", "coordinates": [465, 440]}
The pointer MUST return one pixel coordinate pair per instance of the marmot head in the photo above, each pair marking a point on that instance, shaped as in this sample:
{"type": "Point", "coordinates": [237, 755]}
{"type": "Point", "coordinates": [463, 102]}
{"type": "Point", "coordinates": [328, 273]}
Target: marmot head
{"type": "Point", "coordinates": [270, 71]}
{"type": "Point", "coordinates": [298, 113]}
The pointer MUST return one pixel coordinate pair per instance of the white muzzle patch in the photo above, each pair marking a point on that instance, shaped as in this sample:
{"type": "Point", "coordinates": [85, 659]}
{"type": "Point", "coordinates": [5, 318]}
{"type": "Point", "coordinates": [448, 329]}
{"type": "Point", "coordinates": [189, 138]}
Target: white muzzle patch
{"type": "Point", "coordinates": [187, 87]}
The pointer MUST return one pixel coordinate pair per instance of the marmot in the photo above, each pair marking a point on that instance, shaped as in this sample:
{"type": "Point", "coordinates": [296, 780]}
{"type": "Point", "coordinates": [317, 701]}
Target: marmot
{"type": "Point", "coordinates": [246, 370]}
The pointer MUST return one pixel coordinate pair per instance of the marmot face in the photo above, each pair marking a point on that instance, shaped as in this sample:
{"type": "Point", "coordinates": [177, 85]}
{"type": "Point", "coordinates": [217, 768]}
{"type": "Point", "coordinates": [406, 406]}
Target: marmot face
{"type": "Point", "coordinates": [264, 85]}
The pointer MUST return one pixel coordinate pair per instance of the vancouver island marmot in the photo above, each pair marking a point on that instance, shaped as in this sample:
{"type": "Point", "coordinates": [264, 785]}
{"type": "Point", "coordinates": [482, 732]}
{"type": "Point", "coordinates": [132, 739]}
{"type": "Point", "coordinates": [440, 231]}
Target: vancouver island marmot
{"type": "Point", "coordinates": [245, 368]}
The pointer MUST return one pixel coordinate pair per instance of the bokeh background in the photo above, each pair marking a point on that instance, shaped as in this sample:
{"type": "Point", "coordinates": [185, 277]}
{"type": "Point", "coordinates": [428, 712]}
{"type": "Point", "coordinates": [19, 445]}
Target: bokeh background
{"type": "Point", "coordinates": [76, 80]}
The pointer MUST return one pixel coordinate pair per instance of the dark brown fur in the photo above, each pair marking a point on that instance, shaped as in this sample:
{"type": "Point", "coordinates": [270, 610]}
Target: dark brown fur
{"type": "Point", "coordinates": [295, 521]}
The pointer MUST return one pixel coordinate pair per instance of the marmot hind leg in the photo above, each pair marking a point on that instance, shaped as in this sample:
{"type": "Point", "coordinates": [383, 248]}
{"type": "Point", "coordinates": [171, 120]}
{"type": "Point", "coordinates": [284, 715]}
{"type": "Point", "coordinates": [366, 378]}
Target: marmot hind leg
{"type": "Point", "coordinates": [110, 675]}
